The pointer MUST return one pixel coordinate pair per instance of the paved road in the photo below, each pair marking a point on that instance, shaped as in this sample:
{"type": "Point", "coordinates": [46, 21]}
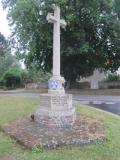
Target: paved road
{"type": "Point", "coordinates": [108, 103]}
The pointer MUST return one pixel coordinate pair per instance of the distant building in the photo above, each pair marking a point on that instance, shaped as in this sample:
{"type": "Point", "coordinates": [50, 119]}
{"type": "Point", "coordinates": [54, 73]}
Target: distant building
{"type": "Point", "coordinates": [94, 79]}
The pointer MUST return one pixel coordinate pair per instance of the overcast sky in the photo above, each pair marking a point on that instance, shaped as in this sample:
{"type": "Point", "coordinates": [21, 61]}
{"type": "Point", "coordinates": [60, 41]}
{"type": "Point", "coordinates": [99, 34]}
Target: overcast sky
{"type": "Point", "coordinates": [4, 28]}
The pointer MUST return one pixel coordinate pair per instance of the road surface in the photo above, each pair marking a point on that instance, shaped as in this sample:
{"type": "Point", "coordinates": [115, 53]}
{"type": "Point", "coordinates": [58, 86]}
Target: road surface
{"type": "Point", "coordinates": [107, 103]}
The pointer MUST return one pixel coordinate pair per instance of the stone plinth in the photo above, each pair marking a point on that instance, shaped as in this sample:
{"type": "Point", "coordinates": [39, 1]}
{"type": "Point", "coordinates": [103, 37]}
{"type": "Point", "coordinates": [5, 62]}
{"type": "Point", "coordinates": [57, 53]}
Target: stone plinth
{"type": "Point", "coordinates": [56, 110]}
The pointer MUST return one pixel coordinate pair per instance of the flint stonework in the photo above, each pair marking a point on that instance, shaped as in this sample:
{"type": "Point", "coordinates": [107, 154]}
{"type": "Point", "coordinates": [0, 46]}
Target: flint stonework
{"type": "Point", "coordinates": [55, 110]}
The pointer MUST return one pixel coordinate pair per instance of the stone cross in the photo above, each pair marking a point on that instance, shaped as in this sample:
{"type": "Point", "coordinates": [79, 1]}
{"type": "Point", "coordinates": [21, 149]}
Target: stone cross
{"type": "Point", "coordinates": [55, 19]}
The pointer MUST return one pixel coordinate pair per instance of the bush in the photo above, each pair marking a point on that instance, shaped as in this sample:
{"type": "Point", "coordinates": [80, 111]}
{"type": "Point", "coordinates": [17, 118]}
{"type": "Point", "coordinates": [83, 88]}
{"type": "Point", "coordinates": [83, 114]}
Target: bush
{"type": "Point", "coordinates": [14, 77]}
{"type": "Point", "coordinates": [113, 77]}
{"type": "Point", "coordinates": [1, 82]}
{"type": "Point", "coordinates": [12, 80]}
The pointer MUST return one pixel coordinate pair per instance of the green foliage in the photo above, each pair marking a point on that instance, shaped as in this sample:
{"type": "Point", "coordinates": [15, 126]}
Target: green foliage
{"type": "Point", "coordinates": [11, 80]}
{"type": "Point", "coordinates": [14, 77]}
{"type": "Point", "coordinates": [1, 82]}
{"type": "Point", "coordinates": [37, 75]}
{"type": "Point", "coordinates": [91, 39]}
{"type": "Point", "coordinates": [113, 77]}
{"type": "Point", "coordinates": [36, 150]}
{"type": "Point", "coordinates": [3, 44]}
{"type": "Point", "coordinates": [7, 60]}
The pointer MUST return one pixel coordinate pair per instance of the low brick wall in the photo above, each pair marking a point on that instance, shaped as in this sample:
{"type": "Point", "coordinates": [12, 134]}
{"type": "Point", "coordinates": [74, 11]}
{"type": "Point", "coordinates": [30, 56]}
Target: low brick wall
{"type": "Point", "coordinates": [107, 85]}
{"type": "Point", "coordinates": [79, 85]}
{"type": "Point", "coordinates": [1, 87]}
{"type": "Point", "coordinates": [36, 86]}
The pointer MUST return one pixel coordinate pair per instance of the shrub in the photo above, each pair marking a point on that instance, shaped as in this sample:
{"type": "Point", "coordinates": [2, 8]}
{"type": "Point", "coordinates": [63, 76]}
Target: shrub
{"type": "Point", "coordinates": [113, 77]}
{"type": "Point", "coordinates": [14, 77]}
{"type": "Point", "coordinates": [12, 80]}
{"type": "Point", "coordinates": [1, 82]}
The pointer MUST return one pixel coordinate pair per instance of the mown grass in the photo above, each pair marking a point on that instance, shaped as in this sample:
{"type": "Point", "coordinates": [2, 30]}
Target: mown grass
{"type": "Point", "coordinates": [11, 107]}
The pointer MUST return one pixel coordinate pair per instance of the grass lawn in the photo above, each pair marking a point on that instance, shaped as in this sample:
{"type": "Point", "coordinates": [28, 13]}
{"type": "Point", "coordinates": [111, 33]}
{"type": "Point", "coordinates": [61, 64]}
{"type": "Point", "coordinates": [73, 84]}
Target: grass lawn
{"type": "Point", "coordinates": [11, 107]}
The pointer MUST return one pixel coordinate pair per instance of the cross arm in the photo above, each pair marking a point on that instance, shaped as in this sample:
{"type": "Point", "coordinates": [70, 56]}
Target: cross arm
{"type": "Point", "coordinates": [63, 24]}
{"type": "Point", "coordinates": [55, 7]}
{"type": "Point", "coordinates": [51, 18]}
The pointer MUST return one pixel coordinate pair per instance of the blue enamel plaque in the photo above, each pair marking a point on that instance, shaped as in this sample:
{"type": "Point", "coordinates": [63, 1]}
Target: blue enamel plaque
{"type": "Point", "coordinates": [53, 84]}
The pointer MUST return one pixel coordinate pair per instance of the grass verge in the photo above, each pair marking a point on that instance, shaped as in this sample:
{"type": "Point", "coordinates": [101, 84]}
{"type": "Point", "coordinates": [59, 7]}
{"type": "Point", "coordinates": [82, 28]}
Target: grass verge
{"type": "Point", "coordinates": [11, 107]}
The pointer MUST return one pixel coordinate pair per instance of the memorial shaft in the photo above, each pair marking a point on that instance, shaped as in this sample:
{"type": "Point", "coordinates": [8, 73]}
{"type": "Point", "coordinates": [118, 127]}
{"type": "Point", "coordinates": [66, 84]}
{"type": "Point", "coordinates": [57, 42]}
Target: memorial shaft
{"type": "Point", "coordinates": [56, 43]}
{"type": "Point", "coordinates": [56, 107]}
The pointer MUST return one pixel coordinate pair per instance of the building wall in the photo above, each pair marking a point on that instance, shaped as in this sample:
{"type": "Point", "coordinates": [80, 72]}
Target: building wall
{"type": "Point", "coordinates": [94, 79]}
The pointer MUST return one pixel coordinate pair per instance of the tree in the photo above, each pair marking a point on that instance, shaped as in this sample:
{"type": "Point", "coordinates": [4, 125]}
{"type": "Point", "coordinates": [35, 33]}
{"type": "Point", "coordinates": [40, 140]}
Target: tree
{"type": "Point", "coordinates": [7, 60]}
{"type": "Point", "coordinates": [2, 45]}
{"type": "Point", "coordinates": [91, 39]}
{"type": "Point", "coordinates": [36, 75]}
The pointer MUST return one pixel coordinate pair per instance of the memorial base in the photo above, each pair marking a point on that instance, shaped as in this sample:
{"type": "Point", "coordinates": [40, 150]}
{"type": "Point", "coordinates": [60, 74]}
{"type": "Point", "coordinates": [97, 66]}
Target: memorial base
{"type": "Point", "coordinates": [55, 110]}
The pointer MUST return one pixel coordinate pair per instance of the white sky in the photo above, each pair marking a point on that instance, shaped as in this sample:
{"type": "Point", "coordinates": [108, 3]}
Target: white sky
{"type": "Point", "coordinates": [4, 28]}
